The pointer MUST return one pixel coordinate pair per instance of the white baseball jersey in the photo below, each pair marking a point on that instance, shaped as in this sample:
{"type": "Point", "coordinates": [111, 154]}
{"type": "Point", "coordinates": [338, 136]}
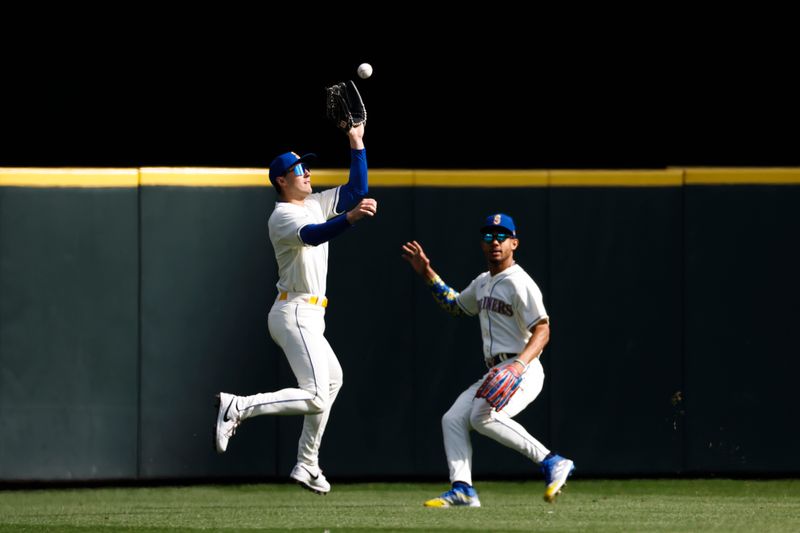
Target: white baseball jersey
{"type": "Point", "coordinates": [301, 267]}
{"type": "Point", "coordinates": [508, 304]}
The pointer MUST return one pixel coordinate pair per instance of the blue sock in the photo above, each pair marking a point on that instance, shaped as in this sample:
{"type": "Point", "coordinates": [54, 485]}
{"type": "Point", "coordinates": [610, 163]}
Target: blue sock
{"type": "Point", "coordinates": [461, 484]}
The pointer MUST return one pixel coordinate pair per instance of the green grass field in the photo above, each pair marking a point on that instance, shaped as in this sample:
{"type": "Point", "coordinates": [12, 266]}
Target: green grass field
{"type": "Point", "coordinates": [591, 505]}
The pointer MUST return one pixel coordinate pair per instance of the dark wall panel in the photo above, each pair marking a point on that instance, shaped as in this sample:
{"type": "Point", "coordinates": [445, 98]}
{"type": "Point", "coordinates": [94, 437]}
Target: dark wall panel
{"type": "Point", "coordinates": [743, 286]}
{"type": "Point", "coordinates": [208, 280]}
{"type": "Point", "coordinates": [615, 362]}
{"type": "Point", "coordinates": [68, 333]}
{"type": "Point", "coordinates": [673, 311]}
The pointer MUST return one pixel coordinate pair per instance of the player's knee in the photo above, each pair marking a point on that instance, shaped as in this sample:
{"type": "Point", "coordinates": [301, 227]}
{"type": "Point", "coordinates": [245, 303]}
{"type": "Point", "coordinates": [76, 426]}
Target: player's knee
{"type": "Point", "coordinates": [318, 404]}
{"type": "Point", "coordinates": [335, 384]}
{"type": "Point", "coordinates": [452, 419]}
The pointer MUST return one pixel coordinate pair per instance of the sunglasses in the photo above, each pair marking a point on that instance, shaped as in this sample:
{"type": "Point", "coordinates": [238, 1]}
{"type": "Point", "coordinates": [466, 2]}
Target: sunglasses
{"type": "Point", "coordinates": [299, 169]}
{"type": "Point", "coordinates": [501, 237]}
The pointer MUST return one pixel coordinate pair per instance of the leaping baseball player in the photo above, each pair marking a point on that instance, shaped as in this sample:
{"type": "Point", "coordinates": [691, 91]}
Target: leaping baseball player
{"type": "Point", "coordinates": [515, 329]}
{"type": "Point", "coordinates": [299, 228]}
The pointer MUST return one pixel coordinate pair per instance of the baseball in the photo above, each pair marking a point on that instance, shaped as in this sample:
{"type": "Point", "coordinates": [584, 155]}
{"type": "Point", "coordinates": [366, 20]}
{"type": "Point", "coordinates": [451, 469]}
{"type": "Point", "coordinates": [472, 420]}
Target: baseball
{"type": "Point", "coordinates": [364, 71]}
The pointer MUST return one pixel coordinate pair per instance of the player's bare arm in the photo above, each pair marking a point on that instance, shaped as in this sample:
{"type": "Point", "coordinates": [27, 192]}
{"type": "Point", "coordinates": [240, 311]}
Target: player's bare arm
{"type": "Point", "coordinates": [356, 136]}
{"type": "Point", "coordinates": [444, 295]}
{"type": "Point", "coordinates": [539, 339]}
{"type": "Point", "coordinates": [415, 255]}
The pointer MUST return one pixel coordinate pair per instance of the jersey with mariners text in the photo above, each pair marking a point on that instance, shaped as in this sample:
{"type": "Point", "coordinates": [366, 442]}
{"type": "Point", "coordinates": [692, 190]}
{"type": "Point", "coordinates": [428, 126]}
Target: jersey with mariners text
{"type": "Point", "coordinates": [508, 304]}
{"type": "Point", "coordinates": [301, 267]}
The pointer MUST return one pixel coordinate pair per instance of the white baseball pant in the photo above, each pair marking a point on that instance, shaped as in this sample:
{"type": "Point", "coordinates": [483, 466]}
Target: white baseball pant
{"type": "Point", "coordinates": [468, 413]}
{"type": "Point", "coordinates": [298, 328]}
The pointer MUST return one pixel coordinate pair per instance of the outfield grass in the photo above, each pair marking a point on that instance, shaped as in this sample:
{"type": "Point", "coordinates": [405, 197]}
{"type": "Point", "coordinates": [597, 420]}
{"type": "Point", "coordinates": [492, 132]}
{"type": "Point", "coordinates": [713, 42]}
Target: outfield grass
{"type": "Point", "coordinates": [595, 506]}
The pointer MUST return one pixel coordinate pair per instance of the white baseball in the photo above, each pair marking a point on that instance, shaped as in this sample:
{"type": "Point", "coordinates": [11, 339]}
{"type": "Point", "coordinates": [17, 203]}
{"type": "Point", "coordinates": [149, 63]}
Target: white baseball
{"type": "Point", "coordinates": [364, 71]}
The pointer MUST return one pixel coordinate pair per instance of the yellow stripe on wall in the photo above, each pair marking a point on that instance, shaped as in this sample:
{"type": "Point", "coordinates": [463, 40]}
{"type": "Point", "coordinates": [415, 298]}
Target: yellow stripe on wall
{"type": "Point", "coordinates": [204, 177]}
{"type": "Point", "coordinates": [258, 177]}
{"type": "Point", "coordinates": [437, 178]}
{"type": "Point", "coordinates": [742, 176]}
{"type": "Point", "coordinates": [481, 178]}
{"type": "Point", "coordinates": [326, 177]}
{"type": "Point", "coordinates": [69, 177]}
{"type": "Point", "coordinates": [616, 178]}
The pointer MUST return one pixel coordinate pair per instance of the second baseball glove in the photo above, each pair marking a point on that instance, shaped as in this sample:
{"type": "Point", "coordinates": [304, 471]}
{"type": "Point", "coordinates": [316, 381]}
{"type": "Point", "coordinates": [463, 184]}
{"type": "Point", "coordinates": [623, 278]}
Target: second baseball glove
{"type": "Point", "coordinates": [345, 106]}
{"type": "Point", "coordinates": [500, 385]}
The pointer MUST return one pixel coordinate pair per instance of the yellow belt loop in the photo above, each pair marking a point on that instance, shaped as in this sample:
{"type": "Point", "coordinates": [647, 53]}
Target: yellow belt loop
{"type": "Point", "coordinates": [313, 300]}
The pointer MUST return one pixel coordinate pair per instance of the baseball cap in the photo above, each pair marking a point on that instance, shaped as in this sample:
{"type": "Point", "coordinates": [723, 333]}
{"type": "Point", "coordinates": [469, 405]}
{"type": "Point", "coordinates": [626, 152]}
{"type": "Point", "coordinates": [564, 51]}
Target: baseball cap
{"type": "Point", "coordinates": [500, 221]}
{"type": "Point", "coordinates": [284, 162]}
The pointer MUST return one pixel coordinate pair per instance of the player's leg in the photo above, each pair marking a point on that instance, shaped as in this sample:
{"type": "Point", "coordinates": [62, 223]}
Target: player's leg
{"type": "Point", "coordinates": [324, 376]}
{"type": "Point", "coordinates": [458, 449]}
{"type": "Point", "coordinates": [297, 329]}
{"type": "Point", "coordinates": [314, 424]}
{"type": "Point", "coordinates": [501, 427]}
{"type": "Point", "coordinates": [294, 327]}
{"type": "Point", "coordinates": [455, 430]}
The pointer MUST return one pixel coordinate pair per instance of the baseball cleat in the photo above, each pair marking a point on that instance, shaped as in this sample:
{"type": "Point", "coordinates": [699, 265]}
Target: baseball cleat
{"type": "Point", "coordinates": [227, 420]}
{"type": "Point", "coordinates": [556, 470]}
{"type": "Point", "coordinates": [459, 496]}
{"type": "Point", "coordinates": [311, 478]}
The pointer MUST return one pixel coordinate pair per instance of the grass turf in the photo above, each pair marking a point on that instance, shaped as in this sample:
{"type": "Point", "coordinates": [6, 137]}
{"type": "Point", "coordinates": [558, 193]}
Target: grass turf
{"type": "Point", "coordinates": [585, 505]}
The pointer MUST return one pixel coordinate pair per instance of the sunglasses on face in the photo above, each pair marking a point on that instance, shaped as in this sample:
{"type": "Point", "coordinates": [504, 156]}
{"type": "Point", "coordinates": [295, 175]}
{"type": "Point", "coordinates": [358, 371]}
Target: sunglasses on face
{"type": "Point", "coordinates": [298, 170]}
{"type": "Point", "coordinates": [489, 237]}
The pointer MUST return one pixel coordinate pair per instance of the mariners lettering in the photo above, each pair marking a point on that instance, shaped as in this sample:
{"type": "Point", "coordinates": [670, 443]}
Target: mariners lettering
{"type": "Point", "coordinates": [496, 306]}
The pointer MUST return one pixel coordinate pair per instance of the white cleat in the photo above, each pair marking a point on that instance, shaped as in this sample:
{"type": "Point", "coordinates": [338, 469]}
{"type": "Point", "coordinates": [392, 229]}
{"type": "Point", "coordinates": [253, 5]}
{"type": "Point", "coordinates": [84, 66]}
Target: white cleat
{"type": "Point", "coordinates": [227, 420]}
{"type": "Point", "coordinates": [311, 478]}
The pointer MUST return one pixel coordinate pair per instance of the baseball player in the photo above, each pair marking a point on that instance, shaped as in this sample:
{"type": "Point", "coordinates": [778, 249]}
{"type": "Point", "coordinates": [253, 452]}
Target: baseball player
{"type": "Point", "coordinates": [515, 329]}
{"type": "Point", "coordinates": [300, 227]}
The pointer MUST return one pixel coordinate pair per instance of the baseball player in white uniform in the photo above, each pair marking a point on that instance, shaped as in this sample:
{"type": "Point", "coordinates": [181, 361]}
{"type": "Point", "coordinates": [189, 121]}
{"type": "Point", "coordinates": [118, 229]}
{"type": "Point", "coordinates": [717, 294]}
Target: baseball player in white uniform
{"type": "Point", "coordinates": [515, 329]}
{"type": "Point", "coordinates": [300, 227]}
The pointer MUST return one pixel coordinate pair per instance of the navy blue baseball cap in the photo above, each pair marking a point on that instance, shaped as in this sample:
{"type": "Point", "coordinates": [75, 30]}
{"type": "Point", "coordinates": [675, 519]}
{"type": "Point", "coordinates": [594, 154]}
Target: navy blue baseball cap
{"type": "Point", "coordinates": [284, 163]}
{"type": "Point", "coordinates": [499, 221]}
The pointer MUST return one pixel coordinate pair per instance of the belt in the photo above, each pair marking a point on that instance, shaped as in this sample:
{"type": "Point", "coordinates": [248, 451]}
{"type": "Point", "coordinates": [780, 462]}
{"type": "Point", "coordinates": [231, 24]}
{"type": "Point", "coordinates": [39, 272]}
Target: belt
{"type": "Point", "coordinates": [498, 358]}
{"type": "Point", "coordinates": [308, 298]}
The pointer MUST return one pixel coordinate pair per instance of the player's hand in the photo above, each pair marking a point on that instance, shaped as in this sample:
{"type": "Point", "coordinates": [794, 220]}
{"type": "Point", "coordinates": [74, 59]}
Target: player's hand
{"type": "Point", "coordinates": [415, 255]}
{"type": "Point", "coordinates": [365, 208]}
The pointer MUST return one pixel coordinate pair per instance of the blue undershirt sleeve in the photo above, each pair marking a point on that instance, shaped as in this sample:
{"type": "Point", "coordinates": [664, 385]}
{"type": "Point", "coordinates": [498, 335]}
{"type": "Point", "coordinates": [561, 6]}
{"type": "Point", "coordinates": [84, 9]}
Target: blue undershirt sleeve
{"type": "Point", "coordinates": [356, 188]}
{"type": "Point", "coordinates": [316, 234]}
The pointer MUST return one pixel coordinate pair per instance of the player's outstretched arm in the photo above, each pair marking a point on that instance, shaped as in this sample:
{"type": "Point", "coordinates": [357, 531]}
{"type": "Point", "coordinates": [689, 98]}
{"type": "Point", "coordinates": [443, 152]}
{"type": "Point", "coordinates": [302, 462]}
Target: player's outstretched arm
{"type": "Point", "coordinates": [358, 183]}
{"type": "Point", "coordinates": [442, 293]}
{"type": "Point", "coordinates": [316, 234]}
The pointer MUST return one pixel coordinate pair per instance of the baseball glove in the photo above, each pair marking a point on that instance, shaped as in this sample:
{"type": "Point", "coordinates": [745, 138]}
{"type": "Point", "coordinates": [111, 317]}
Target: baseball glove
{"type": "Point", "coordinates": [500, 385]}
{"type": "Point", "coordinates": [345, 106]}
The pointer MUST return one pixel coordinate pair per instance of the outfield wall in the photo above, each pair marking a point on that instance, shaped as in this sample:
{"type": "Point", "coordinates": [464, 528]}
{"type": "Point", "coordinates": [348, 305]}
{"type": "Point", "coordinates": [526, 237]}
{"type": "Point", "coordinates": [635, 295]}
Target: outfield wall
{"type": "Point", "coordinates": [129, 297]}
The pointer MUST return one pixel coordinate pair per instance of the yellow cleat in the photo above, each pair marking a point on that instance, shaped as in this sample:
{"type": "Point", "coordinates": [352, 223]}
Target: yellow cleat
{"type": "Point", "coordinates": [436, 502]}
{"type": "Point", "coordinates": [556, 471]}
{"type": "Point", "coordinates": [459, 496]}
{"type": "Point", "coordinates": [550, 496]}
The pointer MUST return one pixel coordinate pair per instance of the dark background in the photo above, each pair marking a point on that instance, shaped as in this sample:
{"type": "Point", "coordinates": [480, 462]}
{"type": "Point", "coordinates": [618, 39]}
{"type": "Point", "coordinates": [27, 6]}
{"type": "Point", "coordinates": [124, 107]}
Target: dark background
{"type": "Point", "coordinates": [499, 88]}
